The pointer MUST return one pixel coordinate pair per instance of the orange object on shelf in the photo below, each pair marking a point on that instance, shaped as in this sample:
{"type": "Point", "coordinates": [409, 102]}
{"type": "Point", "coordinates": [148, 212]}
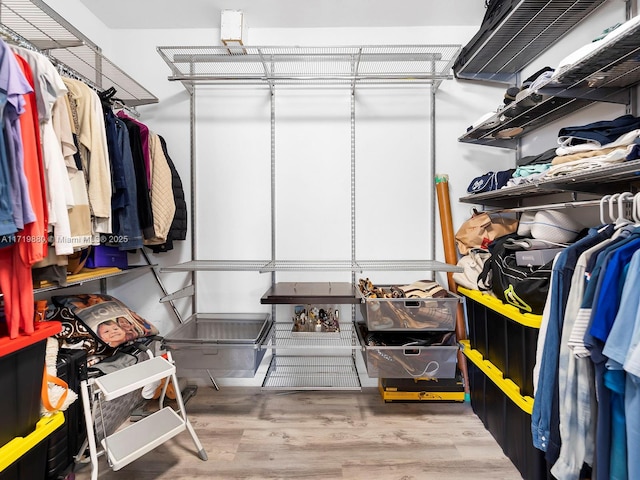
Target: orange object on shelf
{"type": "Point", "coordinates": [40, 311]}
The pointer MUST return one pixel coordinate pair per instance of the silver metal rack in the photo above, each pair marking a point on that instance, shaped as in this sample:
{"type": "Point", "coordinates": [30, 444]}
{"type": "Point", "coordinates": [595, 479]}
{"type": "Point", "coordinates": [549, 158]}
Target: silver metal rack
{"type": "Point", "coordinates": [312, 373]}
{"type": "Point", "coordinates": [517, 32]}
{"type": "Point", "coordinates": [283, 337]}
{"type": "Point", "coordinates": [351, 68]}
{"type": "Point", "coordinates": [264, 266]}
{"type": "Point", "coordinates": [346, 66]}
{"type": "Point", "coordinates": [43, 28]}
{"type": "Point", "coordinates": [596, 181]}
{"type": "Point", "coordinates": [605, 75]}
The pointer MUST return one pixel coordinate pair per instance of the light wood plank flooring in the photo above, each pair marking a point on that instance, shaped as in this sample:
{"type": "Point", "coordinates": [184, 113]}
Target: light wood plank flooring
{"type": "Point", "coordinates": [251, 434]}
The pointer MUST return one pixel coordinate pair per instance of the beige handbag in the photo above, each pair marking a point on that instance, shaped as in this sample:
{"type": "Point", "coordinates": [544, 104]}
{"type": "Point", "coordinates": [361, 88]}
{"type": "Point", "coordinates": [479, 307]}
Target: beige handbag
{"type": "Point", "coordinates": [482, 228]}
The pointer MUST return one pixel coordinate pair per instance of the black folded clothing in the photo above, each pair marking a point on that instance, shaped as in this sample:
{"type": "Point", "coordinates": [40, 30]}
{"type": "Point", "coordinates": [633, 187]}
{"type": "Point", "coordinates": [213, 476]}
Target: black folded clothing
{"type": "Point", "coordinates": [393, 339]}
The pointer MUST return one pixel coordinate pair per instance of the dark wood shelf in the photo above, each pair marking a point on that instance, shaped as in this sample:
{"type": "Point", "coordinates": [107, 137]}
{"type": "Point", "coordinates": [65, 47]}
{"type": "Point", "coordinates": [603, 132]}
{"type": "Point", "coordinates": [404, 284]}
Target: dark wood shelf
{"type": "Point", "coordinates": [310, 292]}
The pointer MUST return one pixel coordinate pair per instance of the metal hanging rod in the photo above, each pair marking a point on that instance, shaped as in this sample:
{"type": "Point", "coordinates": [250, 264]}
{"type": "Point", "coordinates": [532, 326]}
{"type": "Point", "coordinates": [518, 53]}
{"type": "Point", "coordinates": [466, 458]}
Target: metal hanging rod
{"type": "Point", "coordinates": [66, 71]}
{"type": "Point", "coordinates": [552, 206]}
{"type": "Point", "coordinates": [406, 79]}
{"type": "Point", "coordinates": [13, 38]}
{"type": "Point", "coordinates": [558, 206]}
{"type": "Point", "coordinates": [346, 66]}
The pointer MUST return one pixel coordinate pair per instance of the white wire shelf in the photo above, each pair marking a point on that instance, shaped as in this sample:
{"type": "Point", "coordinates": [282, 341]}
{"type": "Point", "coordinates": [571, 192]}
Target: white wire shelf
{"type": "Point", "coordinates": [34, 24]}
{"type": "Point", "coordinates": [604, 75]}
{"type": "Point", "coordinates": [594, 180]}
{"type": "Point", "coordinates": [264, 266]}
{"type": "Point", "coordinates": [311, 373]}
{"type": "Point", "coordinates": [518, 35]}
{"type": "Point", "coordinates": [284, 338]}
{"type": "Point", "coordinates": [347, 66]}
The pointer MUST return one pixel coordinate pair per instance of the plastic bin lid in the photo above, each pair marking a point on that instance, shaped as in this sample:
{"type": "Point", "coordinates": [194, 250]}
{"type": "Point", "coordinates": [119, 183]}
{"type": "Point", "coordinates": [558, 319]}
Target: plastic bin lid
{"type": "Point", "coordinates": [42, 331]}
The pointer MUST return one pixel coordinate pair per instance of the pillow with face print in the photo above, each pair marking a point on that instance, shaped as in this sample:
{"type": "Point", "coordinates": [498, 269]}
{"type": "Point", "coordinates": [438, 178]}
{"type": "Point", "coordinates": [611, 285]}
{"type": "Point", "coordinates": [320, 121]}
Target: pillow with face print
{"type": "Point", "coordinates": [74, 334]}
{"type": "Point", "coordinates": [110, 321]}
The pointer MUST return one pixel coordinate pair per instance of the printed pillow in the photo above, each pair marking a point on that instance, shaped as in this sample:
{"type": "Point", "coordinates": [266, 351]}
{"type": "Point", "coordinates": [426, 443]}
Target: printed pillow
{"type": "Point", "coordinates": [110, 321]}
{"type": "Point", "coordinates": [74, 333]}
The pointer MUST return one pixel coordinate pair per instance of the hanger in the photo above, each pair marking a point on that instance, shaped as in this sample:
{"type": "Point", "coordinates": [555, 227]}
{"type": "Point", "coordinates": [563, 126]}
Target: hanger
{"type": "Point", "coordinates": [636, 208]}
{"type": "Point", "coordinates": [107, 94]}
{"type": "Point", "coordinates": [612, 203]}
{"type": "Point", "coordinates": [602, 200]}
{"type": "Point", "coordinates": [621, 219]}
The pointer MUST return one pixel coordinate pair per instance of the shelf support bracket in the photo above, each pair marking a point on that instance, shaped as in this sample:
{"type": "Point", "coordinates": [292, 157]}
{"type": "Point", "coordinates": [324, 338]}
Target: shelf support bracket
{"type": "Point", "coordinates": [187, 291]}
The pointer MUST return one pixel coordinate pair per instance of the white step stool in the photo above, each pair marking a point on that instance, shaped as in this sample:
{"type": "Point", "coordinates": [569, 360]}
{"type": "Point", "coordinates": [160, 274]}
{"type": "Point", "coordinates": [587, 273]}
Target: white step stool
{"type": "Point", "coordinates": [130, 443]}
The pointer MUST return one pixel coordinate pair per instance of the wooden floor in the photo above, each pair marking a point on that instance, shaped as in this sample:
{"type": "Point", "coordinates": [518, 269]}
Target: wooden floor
{"type": "Point", "coordinates": [317, 435]}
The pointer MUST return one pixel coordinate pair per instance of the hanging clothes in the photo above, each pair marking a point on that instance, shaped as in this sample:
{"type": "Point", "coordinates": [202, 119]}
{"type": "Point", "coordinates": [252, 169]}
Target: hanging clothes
{"type": "Point", "coordinates": [595, 397]}
{"type": "Point", "coordinates": [143, 133]}
{"type": "Point", "coordinates": [126, 224]}
{"type": "Point", "coordinates": [16, 86]}
{"type": "Point", "coordinates": [162, 202]}
{"type": "Point", "coordinates": [544, 423]}
{"type": "Point", "coordinates": [20, 122]}
{"type": "Point", "coordinates": [80, 214]}
{"type": "Point", "coordinates": [145, 213]}
{"type": "Point", "coordinates": [605, 307]}
{"type": "Point", "coordinates": [576, 408]}
{"type": "Point", "coordinates": [627, 348]}
{"type": "Point", "coordinates": [178, 228]}
{"type": "Point", "coordinates": [93, 143]}
{"type": "Point", "coordinates": [49, 89]}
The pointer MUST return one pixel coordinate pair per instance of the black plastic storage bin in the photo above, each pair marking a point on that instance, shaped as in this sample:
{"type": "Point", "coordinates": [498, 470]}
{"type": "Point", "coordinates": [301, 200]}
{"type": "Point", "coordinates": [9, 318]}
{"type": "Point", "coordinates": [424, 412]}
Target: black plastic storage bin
{"type": "Point", "coordinates": [64, 443]}
{"type": "Point", "coordinates": [21, 369]}
{"type": "Point", "coordinates": [505, 413]}
{"type": "Point", "coordinates": [31, 466]}
{"type": "Point", "coordinates": [504, 336]}
{"type": "Point", "coordinates": [23, 445]}
{"type": "Point", "coordinates": [522, 343]}
{"type": "Point", "coordinates": [21, 372]}
{"type": "Point", "coordinates": [477, 326]}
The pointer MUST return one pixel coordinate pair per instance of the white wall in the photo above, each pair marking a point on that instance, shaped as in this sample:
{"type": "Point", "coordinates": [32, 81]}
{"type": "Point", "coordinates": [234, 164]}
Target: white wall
{"type": "Point", "coordinates": [313, 154]}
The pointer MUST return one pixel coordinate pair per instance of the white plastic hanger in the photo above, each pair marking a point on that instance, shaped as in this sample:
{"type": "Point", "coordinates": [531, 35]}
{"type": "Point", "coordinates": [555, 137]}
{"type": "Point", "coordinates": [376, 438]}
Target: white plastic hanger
{"type": "Point", "coordinates": [636, 208]}
{"type": "Point", "coordinates": [621, 219]}
{"type": "Point", "coordinates": [602, 200]}
{"type": "Point", "coordinates": [612, 202]}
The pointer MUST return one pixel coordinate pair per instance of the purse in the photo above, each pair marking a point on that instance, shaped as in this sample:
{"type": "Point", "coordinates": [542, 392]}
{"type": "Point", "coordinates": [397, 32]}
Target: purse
{"type": "Point", "coordinates": [483, 228]}
{"type": "Point", "coordinates": [524, 287]}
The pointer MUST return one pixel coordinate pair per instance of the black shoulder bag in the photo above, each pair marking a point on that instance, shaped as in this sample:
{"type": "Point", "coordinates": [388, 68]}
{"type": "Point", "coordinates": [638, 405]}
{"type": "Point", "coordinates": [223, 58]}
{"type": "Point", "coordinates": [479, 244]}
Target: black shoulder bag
{"type": "Point", "coordinates": [524, 287]}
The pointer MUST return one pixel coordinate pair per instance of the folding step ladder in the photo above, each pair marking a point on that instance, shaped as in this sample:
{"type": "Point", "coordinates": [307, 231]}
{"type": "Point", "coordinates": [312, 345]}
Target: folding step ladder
{"type": "Point", "coordinates": [131, 442]}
